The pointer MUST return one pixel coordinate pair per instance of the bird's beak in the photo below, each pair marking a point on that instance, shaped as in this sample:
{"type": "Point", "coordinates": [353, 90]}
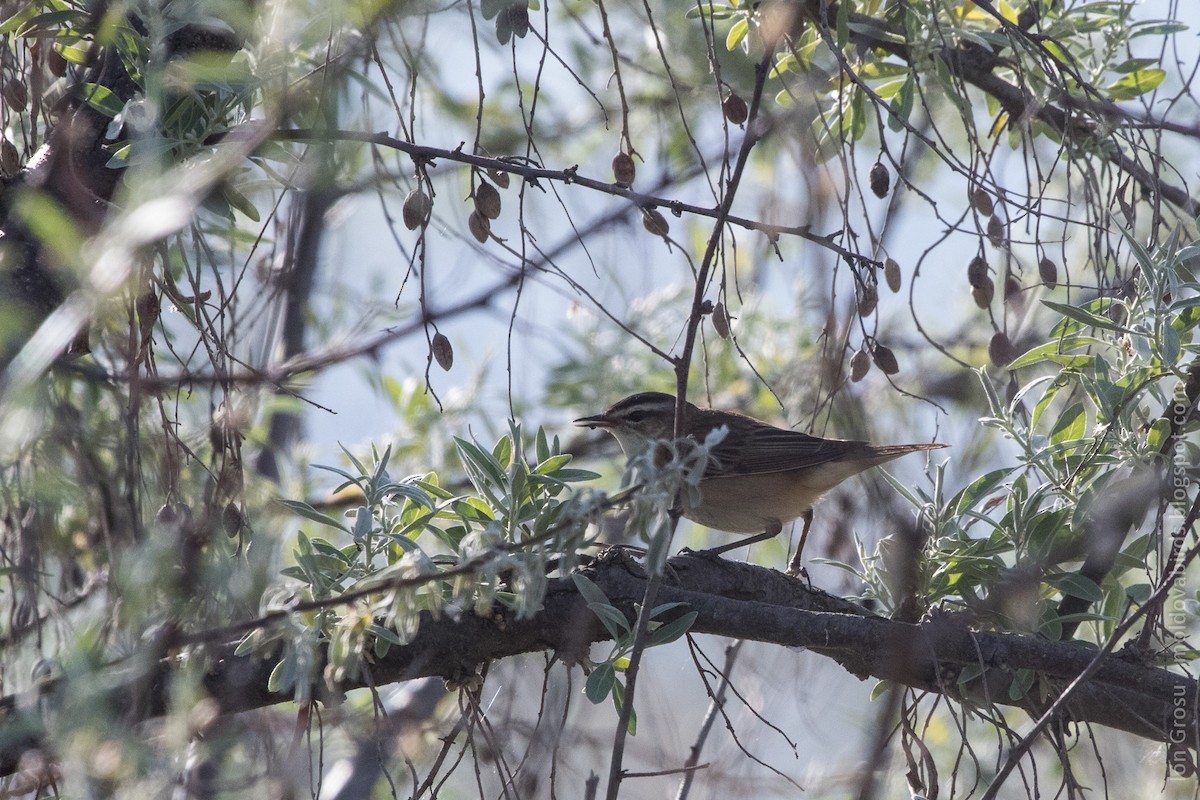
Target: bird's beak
{"type": "Point", "coordinates": [598, 421]}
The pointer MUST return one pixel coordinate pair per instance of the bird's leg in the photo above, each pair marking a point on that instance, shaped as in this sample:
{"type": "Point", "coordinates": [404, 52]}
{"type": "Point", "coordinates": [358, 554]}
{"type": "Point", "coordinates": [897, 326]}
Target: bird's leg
{"type": "Point", "coordinates": [794, 567]}
{"type": "Point", "coordinates": [773, 529]}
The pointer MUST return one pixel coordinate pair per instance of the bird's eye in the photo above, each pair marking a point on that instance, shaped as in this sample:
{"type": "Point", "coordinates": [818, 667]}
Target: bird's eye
{"type": "Point", "coordinates": [637, 416]}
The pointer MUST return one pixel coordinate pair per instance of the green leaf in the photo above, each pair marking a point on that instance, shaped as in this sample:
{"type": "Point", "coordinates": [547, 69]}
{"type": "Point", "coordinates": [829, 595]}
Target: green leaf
{"type": "Point", "coordinates": [1070, 426]}
{"type": "Point", "coordinates": [1022, 683]}
{"type": "Point", "coordinates": [588, 589]}
{"type": "Point", "coordinates": [619, 701]}
{"type": "Point", "coordinates": [1156, 28]}
{"type": "Point", "coordinates": [737, 33]}
{"type": "Point", "coordinates": [883, 69]}
{"type": "Point", "coordinates": [1054, 351]}
{"type": "Point", "coordinates": [101, 99]}
{"type": "Point", "coordinates": [380, 632]}
{"type": "Point", "coordinates": [363, 523]}
{"type": "Point", "coordinates": [669, 632]}
{"type": "Point", "coordinates": [240, 202]}
{"type": "Point", "coordinates": [552, 464]}
{"type": "Point", "coordinates": [900, 108]}
{"type": "Point", "coordinates": [612, 619]}
{"type": "Point", "coordinates": [1134, 64]}
{"type": "Point", "coordinates": [283, 676]}
{"type": "Point", "coordinates": [1076, 585]}
{"type": "Point", "coordinates": [484, 472]}
{"type": "Point", "coordinates": [1136, 84]}
{"type": "Point", "coordinates": [980, 488]}
{"type": "Point", "coordinates": [503, 452]}
{"type": "Point", "coordinates": [600, 682]}
{"type": "Point", "coordinates": [1084, 316]}
{"type": "Point", "coordinates": [575, 475]}
{"type": "Point", "coordinates": [413, 493]}
{"type": "Point", "coordinates": [1139, 592]}
{"type": "Point", "coordinates": [308, 512]}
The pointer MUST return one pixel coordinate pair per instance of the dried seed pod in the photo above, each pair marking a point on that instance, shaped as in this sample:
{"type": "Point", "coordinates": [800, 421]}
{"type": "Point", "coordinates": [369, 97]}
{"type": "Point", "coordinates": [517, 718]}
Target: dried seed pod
{"type": "Point", "coordinates": [518, 18]}
{"type": "Point", "coordinates": [624, 170]}
{"type": "Point", "coordinates": [16, 96]}
{"type": "Point", "coordinates": [10, 161]}
{"type": "Point", "coordinates": [1048, 271]}
{"type": "Point", "coordinates": [233, 519]}
{"type": "Point", "coordinates": [487, 200]}
{"type": "Point", "coordinates": [984, 293]}
{"type": "Point", "coordinates": [416, 210]}
{"type": "Point", "coordinates": [148, 308]}
{"type": "Point", "coordinates": [977, 272]}
{"type": "Point", "coordinates": [479, 226]}
{"type": "Point", "coordinates": [720, 320]}
{"type": "Point", "coordinates": [995, 231]}
{"type": "Point", "coordinates": [655, 222]}
{"type": "Point", "coordinates": [868, 299]}
{"type": "Point", "coordinates": [880, 179]}
{"type": "Point", "coordinates": [885, 359]}
{"type": "Point", "coordinates": [860, 365]}
{"type": "Point", "coordinates": [1001, 350]}
{"type": "Point", "coordinates": [56, 62]}
{"type": "Point", "coordinates": [443, 353]}
{"type": "Point", "coordinates": [891, 274]}
{"type": "Point", "coordinates": [1013, 290]}
{"type": "Point", "coordinates": [173, 514]}
{"type": "Point", "coordinates": [981, 201]}
{"type": "Point", "coordinates": [735, 109]}
{"type": "Point", "coordinates": [499, 177]}
{"type": "Point", "coordinates": [231, 481]}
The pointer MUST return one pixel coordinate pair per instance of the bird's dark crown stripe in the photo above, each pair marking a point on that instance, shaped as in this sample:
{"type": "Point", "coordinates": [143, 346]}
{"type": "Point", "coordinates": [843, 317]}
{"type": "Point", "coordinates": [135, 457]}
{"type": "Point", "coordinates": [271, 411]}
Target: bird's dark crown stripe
{"type": "Point", "coordinates": [644, 401]}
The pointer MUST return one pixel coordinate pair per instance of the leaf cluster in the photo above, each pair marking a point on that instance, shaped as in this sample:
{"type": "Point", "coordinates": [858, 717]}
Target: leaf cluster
{"type": "Point", "coordinates": [413, 545]}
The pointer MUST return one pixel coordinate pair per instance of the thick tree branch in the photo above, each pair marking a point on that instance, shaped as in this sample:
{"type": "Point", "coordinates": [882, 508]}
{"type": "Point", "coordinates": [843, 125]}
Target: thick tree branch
{"type": "Point", "coordinates": [732, 599]}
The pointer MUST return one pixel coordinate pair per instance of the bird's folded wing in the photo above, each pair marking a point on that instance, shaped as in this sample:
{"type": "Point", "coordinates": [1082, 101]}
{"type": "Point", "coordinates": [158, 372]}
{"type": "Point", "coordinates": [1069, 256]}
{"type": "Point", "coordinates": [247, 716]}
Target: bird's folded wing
{"type": "Point", "coordinates": [762, 449]}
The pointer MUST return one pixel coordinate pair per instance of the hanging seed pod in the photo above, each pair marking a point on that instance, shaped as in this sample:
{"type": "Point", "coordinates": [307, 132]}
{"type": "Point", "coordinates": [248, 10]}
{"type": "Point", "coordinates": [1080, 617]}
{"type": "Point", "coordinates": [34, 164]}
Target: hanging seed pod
{"type": "Point", "coordinates": [479, 226]}
{"type": "Point", "coordinates": [1000, 349]}
{"type": "Point", "coordinates": [981, 201]}
{"type": "Point", "coordinates": [868, 299]}
{"type": "Point", "coordinates": [56, 62]}
{"type": "Point", "coordinates": [860, 365]}
{"type": "Point", "coordinates": [880, 180]}
{"type": "Point", "coordinates": [1013, 291]}
{"type": "Point", "coordinates": [148, 308]}
{"type": "Point", "coordinates": [416, 210]}
{"type": "Point", "coordinates": [443, 353]}
{"type": "Point", "coordinates": [518, 19]}
{"type": "Point", "coordinates": [720, 320]}
{"type": "Point", "coordinates": [1048, 271]}
{"type": "Point", "coordinates": [499, 177]}
{"type": "Point", "coordinates": [487, 200]}
{"type": "Point", "coordinates": [624, 170]}
{"type": "Point", "coordinates": [232, 519]}
{"type": "Point", "coordinates": [885, 359]}
{"type": "Point", "coordinates": [734, 108]}
{"type": "Point", "coordinates": [10, 161]}
{"type": "Point", "coordinates": [655, 222]}
{"type": "Point", "coordinates": [16, 96]}
{"type": "Point", "coordinates": [977, 272]}
{"type": "Point", "coordinates": [984, 293]}
{"type": "Point", "coordinates": [995, 231]}
{"type": "Point", "coordinates": [891, 274]}
{"type": "Point", "coordinates": [173, 514]}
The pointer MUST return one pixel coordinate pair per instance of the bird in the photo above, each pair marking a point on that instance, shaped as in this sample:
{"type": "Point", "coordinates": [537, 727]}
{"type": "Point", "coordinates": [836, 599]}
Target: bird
{"type": "Point", "coordinates": [759, 477]}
